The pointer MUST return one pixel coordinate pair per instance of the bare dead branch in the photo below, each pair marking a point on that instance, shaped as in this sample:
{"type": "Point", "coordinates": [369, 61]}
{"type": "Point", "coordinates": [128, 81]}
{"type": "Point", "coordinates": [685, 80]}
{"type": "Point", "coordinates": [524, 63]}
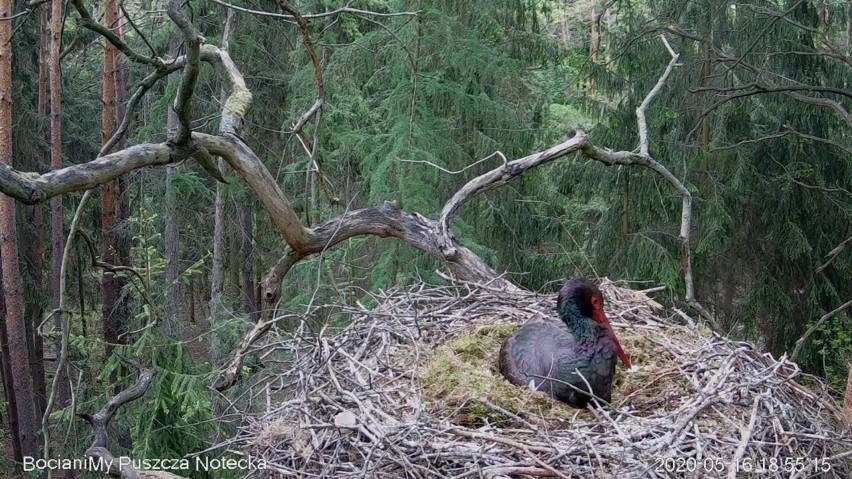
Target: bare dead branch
{"type": "Point", "coordinates": [643, 107]}
{"type": "Point", "coordinates": [316, 165]}
{"type": "Point", "coordinates": [747, 432]}
{"type": "Point", "coordinates": [644, 159]}
{"type": "Point", "coordinates": [300, 123]}
{"type": "Point", "coordinates": [845, 115]}
{"type": "Point", "coordinates": [316, 15]}
{"type": "Point", "coordinates": [834, 253]}
{"type": "Point", "coordinates": [232, 370]}
{"type": "Point", "coordinates": [433, 165]}
{"type": "Point", "coordinates": [787, 132]}
{"type": "Point", "coordinates": [63, 321]}
{"type": "Point", "coordinates": [766, 88]}
{"type": "Point", "coordinates": [774, 89]}
{"type": "Point", "coordinates": [207, 162]}
{"type": "Point", "coordinates": [315, 111]}
{"type": "Point", "coordinates": [801, 341]}
{"type": "Point", "coordinates": [239, 98]}
{"type": "Point", "coordinates": [494, 179]}
{"type": "Point", "coordinates": [31, 188]}
{"type": "Point", "coordinates": [183, 100]}
{"type": "Point", "coordinates": [88, 22]}
{"type": "Point", "coordinates": [826, 102]}
{"type": "Point", "coordinates": [100, 420]}
{"type": "Point", "coordinates": [112, 269]}
{"type": "Point", "coordinates": [309, 45]}
{"type": "Point", "coordinates": [766, 28]}
{"type": "Point", "coordinates": [135, 28]}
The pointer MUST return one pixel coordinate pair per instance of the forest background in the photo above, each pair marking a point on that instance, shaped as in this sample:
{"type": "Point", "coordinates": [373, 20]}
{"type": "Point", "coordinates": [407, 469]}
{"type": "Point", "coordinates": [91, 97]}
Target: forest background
{"type": "Point", "coordinates": [406, 101]}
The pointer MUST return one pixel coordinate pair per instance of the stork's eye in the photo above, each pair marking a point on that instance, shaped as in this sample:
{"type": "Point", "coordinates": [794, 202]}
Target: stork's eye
{"type": "Point", "coordinates": [596, 302]}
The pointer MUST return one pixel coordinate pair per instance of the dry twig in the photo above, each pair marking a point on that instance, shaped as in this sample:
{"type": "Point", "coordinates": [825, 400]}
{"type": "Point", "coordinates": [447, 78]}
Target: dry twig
{"type": "Point", "coordinates": [356, 406]}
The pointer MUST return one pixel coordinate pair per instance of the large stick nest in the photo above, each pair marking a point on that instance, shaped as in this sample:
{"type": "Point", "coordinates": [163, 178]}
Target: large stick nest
{"type": "Point", "coordinates": [410, 389]}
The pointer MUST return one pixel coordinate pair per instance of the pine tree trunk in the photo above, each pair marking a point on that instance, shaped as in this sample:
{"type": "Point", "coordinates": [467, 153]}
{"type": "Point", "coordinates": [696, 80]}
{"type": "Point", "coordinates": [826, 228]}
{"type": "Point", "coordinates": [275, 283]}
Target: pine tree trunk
{"type": "Point", "coordinates": [16, 329]}
{"type": "Point", "coordinates": [34, 239]}
{"type": "Point", "coordinates": [232, 267]}
{"type": "Point", "coordinates": [594, 45]}
{"type": "Point", "coordinates": [706, 71]}
{"type": "Point", "coordinates": [218, 273]}
{"type": "Point", "coordinates": [249, 285]}
{"type": "Point", "coordinates": [122, 200]}
{"type": "Point", "coordinates": [610, 25]}
{"type": "Point", "coordinates": [57, 232]}
{"type": "Point", "coordinates": [172, 249]}
{"type": "Point", "coordinates": [33, 258]}
{"type": "Point", "coordinates": [109, 283]}
{"type": "Point", "coordinates": [171, 239]}
{"type": "Point", "coordinates": [8, 386]}
{"type": "Point", "coordinates": [594, 35]}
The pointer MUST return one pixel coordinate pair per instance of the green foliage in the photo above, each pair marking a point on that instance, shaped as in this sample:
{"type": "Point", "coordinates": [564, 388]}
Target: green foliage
{"type": "Point", "coordinates": [190, 183]}
{"type": "Point", "coordinates": [175, 416]}
{"type": "Point", "coordinates": [769, 202]}
{"type": "Point", "coordinates": [449, 87]}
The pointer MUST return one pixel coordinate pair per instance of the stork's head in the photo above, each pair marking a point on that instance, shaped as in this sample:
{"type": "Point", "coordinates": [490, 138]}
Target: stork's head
{"type": "Point", "coordinates": [578, 294]}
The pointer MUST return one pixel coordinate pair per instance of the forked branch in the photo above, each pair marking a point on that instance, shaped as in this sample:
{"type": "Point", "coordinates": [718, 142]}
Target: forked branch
{"type": "Point", "coordinates": [100, 420]}
{"type": "Point", "coordinates": [388, 220]}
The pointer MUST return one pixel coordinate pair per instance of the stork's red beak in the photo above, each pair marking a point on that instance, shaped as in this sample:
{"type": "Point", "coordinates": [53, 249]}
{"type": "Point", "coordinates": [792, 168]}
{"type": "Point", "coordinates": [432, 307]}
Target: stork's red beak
{"type": "Point", "coordinates": [600, 317]}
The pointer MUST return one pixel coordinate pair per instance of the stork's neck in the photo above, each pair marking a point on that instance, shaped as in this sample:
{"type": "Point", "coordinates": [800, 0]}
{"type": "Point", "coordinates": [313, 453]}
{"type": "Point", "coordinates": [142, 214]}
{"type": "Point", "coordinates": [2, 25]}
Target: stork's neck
{"type": "Point", "coordinates": [579, 325]}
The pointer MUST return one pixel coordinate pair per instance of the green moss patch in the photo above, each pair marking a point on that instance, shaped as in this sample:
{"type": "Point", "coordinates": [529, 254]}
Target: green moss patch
{"type": "Point", "coordinates": [463, 375]}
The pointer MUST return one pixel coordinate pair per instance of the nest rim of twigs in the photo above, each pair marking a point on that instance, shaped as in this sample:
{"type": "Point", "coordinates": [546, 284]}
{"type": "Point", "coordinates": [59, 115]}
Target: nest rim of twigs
{"type": "Point", "coordinates": [359, 403]}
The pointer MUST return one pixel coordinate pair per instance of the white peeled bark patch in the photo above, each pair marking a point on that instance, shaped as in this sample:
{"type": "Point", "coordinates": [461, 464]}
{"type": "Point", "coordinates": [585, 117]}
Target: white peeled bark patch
{"type": "Point", "coordinates": [345, 419]}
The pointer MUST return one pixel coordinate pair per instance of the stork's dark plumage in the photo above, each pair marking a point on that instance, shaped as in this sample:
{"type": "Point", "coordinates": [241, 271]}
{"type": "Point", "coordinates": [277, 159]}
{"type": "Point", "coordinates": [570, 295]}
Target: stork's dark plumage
{"type": "Point", "coordinates": [585, 343]}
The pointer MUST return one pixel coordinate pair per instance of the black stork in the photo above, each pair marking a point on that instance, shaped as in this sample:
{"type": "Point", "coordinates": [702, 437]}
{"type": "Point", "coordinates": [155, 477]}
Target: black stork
{"type": "Point", "coordinates": [547, 356]}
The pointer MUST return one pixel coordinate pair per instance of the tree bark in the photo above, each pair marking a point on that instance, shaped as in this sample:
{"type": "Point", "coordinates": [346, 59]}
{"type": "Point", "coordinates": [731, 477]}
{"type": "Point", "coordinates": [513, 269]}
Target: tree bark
{"type": "Point", "coordinates": [110, 313]}
{"type": "Point", "coordinates": [171, 238]}
{"type": "Point", "coordinates": [32, 236]}
{"type": "Point", "coordinates": [218, 268]}
{"type": "Point", "coordinates": [595, 35]}
{"type": "Point", "coordinates": [57, 229]}
{"type": "Point", "coordinates": [246, 260]}
{"type": "Point", "coordinates": [16, 329]}
{"type": "Point", "coordinates": [8, 385]}
{"type": "Point", "coordinates": [122, 199]}
{"type": "Point", "coordinates": [218, 274]}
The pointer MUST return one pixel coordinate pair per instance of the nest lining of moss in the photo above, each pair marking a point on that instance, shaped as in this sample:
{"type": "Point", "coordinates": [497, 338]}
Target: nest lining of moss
{"type": "Point", "coordinates": [411, 389]}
